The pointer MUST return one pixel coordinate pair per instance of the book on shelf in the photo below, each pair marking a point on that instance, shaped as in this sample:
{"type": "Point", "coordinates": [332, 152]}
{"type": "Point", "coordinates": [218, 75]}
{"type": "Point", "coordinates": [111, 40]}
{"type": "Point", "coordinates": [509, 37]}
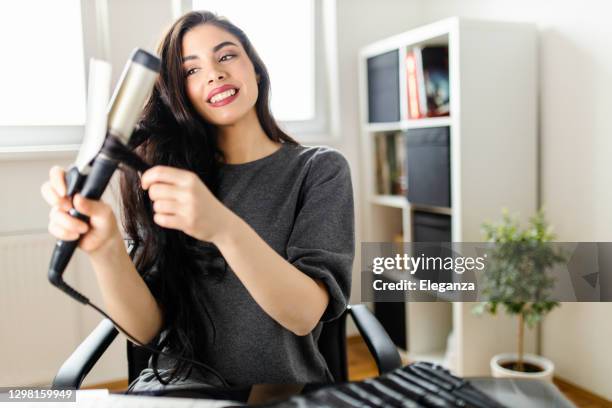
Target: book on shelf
{"type": "Point", "coordinates": [391, 161]}
{"type": "Point", "coordinates": [391, 168]}
{"type": "Point", "coordinates": [400, 182]}
{"type": "Point", "coordinates": [427, 82]}
{"type": "Point", "coordinates": [417, 107]}
{"type": "Point", "coordinates": [435, 75]}
{"type": "Point", "coordinates": [382, 170]}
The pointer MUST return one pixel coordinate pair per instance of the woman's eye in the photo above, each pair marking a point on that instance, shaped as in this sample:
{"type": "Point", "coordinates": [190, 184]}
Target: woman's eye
{"type": "Point", "coordinates": [191, 71]}
{"type": "Point", "coordinates": [226, 57]}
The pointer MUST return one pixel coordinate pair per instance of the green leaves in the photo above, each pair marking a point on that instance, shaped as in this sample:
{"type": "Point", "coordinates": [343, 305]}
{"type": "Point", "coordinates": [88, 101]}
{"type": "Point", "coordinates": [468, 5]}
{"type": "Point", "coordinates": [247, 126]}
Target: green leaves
{"type": "Point", "coordinates": [516, 276]}
{"type": "Point", "coordinates": [509, 231]}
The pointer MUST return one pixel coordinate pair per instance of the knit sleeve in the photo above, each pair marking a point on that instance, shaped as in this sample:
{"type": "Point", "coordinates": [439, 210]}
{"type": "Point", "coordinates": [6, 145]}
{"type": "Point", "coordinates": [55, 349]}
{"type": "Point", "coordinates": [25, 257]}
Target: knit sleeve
{"type": "Point", "coordinates": [322, 241]}
{"type": "Point", "coordinates": [151, 275]}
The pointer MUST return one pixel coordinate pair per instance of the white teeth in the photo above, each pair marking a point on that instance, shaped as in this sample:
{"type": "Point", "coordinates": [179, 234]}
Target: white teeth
{"type": "Point", "coordinates": [220, 96]}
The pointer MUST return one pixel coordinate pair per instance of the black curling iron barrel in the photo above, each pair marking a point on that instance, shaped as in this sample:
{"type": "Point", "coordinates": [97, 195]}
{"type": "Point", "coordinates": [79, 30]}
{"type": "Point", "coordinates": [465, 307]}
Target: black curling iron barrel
{"type": "Point", "coordinates": [125, 108]}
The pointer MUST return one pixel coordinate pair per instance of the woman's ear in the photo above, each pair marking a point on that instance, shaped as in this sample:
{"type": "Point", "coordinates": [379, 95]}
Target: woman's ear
{"type": "Point", "coordinates": [258, 78]}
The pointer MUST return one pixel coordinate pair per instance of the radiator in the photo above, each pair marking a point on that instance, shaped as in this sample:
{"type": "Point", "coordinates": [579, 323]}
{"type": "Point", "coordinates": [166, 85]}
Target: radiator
{"type": "Point", "coordinates": [39, 325]}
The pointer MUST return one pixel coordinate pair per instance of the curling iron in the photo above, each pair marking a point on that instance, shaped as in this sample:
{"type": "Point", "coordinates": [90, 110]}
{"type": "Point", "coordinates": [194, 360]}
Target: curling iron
{"type": "Point", "coordinates": [96, 164]}
{"type": "Point", "coordinates": [104, 147]}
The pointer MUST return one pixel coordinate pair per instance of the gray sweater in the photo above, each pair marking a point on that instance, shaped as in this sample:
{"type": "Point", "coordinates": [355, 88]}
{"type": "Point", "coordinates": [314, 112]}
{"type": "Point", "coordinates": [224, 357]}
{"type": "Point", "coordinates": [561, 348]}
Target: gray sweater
{"type": "Point", "coordinates": [299, 200]}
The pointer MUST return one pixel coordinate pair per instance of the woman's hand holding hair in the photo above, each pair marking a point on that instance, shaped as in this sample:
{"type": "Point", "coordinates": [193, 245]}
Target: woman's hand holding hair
{"type": "Point", "coordinates": [100, 234]}
{"type": "Point", "coordinates": [182, 201]}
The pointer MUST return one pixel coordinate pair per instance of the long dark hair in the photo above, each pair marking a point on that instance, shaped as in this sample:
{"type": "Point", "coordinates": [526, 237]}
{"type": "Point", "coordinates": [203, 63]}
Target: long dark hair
{"type": "Point", "coordinates": [172, 133]}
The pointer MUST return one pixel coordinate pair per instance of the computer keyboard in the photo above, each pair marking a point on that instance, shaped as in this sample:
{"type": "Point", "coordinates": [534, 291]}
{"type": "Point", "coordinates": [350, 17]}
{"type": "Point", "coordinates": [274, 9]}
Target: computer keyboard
{"type": "Point", "coordinates": [103, 399]}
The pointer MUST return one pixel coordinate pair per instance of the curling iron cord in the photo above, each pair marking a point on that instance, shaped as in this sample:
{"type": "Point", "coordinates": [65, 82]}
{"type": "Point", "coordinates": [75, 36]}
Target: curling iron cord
{"type": "Point", "coordinates": [117, 150]}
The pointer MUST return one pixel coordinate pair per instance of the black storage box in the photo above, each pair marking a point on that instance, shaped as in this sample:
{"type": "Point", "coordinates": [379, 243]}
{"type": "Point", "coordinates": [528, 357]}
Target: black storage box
{"type": "Point", "coordinates": [434, 228]}
{"type": "Point", "coordinates": [428, 227]}
{"type": "Point", "coordinates": [428, 156]}
{"type": "Point", "coordinates": [383, 88]}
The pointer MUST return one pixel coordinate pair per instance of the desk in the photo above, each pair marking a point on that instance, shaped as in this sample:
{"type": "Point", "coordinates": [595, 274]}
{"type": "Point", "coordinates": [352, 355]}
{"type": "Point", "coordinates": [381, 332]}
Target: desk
{"type": "Point", "coordinates": [512, 393]}
{"type": "Point", "coordinates": [104, 399]}
{"type": "Point", "coordinates": [522, 393]}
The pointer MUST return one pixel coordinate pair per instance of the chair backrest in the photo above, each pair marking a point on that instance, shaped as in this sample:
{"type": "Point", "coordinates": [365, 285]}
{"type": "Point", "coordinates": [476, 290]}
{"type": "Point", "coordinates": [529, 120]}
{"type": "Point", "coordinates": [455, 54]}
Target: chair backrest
{"type": "Point", "coordinates": [332, 345]}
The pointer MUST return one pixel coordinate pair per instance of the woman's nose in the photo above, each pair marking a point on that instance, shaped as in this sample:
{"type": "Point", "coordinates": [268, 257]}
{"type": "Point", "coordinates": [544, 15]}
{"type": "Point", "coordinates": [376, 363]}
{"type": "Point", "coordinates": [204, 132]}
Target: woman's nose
{"type": "Point", "coordinates": [215, 76]}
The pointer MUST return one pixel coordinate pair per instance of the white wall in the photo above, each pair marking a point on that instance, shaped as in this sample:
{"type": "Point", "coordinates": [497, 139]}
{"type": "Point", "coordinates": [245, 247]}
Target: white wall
{"type": "Point", "coordinates": [136, 23]}
{"type": "Point", "coordinates": [576, 170]}
{"type": "Point", "coordinates": [24, 211]}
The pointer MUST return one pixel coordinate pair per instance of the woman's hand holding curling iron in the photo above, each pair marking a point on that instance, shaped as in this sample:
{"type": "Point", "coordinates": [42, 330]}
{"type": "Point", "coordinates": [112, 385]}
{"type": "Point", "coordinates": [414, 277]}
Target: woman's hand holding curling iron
{"type": "Point", "coordinates": [182, 201]}
{"type": "Point", "coordinates": [101, 232]}
{"type": "Point", "coordinates": [126, 296]}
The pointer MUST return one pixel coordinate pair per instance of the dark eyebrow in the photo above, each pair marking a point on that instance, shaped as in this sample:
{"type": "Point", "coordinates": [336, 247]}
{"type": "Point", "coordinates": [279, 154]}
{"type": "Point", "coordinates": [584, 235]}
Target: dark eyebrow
{"type": "Point", "coordinates": [223, 44]}
{"type": "Point", "coordinates": [189, 57]}
{"type": "Point", "coordinates": [215, 49]}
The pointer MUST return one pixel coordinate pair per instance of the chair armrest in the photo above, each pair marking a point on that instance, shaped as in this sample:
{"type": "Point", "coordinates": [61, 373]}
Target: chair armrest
{"type": "Point", "coordinates": [81, 361]}
{"type": "Point", "coordinates": [378, 341]}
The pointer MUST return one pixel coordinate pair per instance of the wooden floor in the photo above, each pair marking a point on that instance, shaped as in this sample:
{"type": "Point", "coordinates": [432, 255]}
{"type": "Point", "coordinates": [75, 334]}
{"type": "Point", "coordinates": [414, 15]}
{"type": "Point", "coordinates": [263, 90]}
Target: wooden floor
{"type": "Point", "coordinates": [362, 366]}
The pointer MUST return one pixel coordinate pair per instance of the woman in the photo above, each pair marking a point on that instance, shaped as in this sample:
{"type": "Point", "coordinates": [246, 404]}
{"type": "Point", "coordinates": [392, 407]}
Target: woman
{"type": "Point", "coordinates": [245, 239]}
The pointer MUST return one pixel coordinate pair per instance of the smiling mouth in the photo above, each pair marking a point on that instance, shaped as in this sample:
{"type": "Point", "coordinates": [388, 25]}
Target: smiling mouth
{"type": "Point", "coordinates": [222, 96]}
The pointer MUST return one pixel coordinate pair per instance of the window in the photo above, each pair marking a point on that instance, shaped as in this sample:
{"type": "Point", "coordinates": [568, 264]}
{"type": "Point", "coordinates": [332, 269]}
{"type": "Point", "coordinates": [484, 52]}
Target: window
{"type": "Point", "coordinates": [286, 35]}
{"type": "Point", "coordinates": [46, 44]}
{"type": "Point", "coordinates": [43, 72]}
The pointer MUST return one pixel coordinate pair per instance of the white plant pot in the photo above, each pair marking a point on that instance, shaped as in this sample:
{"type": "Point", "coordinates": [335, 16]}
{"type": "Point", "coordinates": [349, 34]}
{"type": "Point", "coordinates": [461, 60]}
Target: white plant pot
{"type": "Point", "coordinates": [498, 371]}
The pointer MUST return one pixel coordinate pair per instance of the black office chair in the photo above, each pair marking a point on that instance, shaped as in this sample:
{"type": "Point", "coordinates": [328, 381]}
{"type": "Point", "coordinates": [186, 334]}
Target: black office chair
{"type": "Point", "coordinates": [332, 344]}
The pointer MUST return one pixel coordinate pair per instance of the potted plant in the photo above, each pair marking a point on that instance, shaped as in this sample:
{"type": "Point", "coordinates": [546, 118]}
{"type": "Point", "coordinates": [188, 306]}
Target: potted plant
{"type": "Point", "coordinates": [516, 279]}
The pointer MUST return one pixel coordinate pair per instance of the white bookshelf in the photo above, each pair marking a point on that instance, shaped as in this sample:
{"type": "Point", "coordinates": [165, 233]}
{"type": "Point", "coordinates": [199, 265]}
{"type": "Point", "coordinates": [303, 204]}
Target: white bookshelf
{"type": "Point", "coordinates": [408, 124]}
{"type": "Point", "coordinates": [493, 164]}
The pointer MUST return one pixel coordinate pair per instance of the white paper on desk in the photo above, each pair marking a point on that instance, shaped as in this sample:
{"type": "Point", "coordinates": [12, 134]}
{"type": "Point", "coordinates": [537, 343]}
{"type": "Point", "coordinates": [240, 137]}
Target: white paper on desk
{"type": "Point", "coordinates": [87, 395]}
